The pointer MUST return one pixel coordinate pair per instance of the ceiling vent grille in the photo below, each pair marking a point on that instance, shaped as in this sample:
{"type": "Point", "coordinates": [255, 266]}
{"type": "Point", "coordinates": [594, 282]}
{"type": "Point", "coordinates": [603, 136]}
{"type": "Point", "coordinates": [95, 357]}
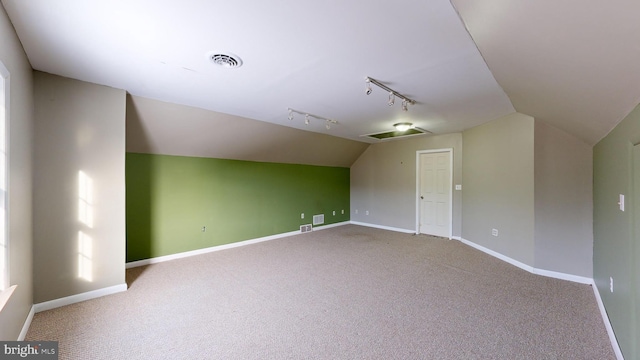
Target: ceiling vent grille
{"type": "Point", "coordinates": [225, 60]}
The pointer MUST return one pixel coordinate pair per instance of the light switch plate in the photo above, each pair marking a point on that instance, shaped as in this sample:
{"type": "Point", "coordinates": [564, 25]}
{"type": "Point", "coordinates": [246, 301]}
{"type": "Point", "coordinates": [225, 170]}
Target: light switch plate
{"type": "Point", "coordinates": [621, 202]}
{"type": "Point", "coordinates": [458, 187]}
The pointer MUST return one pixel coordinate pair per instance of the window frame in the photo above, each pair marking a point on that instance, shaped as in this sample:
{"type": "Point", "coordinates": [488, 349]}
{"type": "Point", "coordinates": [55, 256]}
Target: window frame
{"type": "Point", "coordinates": [4, 140]}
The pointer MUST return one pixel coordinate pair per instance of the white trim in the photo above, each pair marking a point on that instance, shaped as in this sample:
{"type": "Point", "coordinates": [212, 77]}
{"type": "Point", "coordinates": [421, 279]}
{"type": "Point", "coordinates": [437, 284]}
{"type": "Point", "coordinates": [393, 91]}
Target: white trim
{"type": "Point", "coordinates": [418, 153]}
{"type": "Point", "coordinates": [563, 276]}
{"type": "Point", "coordinates": [5, 274]}
{"type": "Point", "coordinates": [27, 324]}
{"type": "Point", "coordinates": [48, 305]}
{"type": "Point", "coordinates": [181, 255]}
{"type": "Point", "coordinates": [324, 227]}
{"type": "Point", "coordinates": [504, 258]}
{"type": "Point", "coordinates": [160, 259]}
{"type": "Point", "coordinates": [531, 269]}
{"type": "Point", "coordinates": [607, 323]}
{"type": "Point", "coordinates": [5, 295]}
{"type": "Point", "coordinates": [406, 231]}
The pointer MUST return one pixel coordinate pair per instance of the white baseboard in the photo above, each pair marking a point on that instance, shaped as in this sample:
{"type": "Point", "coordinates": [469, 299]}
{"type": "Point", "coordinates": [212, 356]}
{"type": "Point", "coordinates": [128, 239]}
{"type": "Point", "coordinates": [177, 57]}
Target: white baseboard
{"type": "Point", "coordinates": [607, 323]}
{"type": "Point", "coordinates": [27, 324]}
{"type": "Point", "coordinates": [563, 276]}
{"type": "Point", "coordinates": [160, 259]}
{"type": "Point", "coordinates": [496, 254]}
{"type": "Point", "coordinates": [406, 231]}
{"type": "Point", "coordinates": [48, 305]}
{"type": "Point", "coordinates": [531, 269]}
{"type": "Point", "coordinates": [324, 227]}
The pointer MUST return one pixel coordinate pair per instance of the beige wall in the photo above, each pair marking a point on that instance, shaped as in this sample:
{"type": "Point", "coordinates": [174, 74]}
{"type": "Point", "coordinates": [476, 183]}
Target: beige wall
{"type": "Point", "coordinates": [156, 127]}
{"type": "Point", "coordinates": [563, 202]}
{"type": "Point", "coordinates": [498, 186]}
{"type": "Point", "coordinates": [14, 314]}
{"type": "Point", "coordinates": [383, 181]}
{"type": "Point", "coordinates": [79, 127]}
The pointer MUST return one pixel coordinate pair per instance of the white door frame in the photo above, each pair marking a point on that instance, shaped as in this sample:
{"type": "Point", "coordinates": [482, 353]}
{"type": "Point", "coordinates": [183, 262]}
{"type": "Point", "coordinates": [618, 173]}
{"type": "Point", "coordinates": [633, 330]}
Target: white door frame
{"type": "Point", "coordinates": [418, 153]}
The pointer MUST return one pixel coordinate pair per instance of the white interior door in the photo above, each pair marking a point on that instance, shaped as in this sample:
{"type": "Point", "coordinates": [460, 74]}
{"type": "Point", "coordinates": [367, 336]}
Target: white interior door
{"type": "Point", "coordinates": [435, 193]}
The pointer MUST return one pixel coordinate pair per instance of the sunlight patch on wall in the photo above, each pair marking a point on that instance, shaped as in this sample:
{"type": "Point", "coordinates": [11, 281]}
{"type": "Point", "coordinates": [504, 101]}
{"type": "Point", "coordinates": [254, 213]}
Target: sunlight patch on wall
{"type": "Point", "coordinates": [85, 199]}
{"type": "Point", "coordinates": [85, 253]}
{"type": "Point", "coordinates": [85, 216]}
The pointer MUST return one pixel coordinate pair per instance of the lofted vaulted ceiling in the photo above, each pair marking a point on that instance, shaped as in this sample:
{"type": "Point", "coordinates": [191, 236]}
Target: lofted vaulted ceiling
{"type": "Point", "coordinates": [570, 63]}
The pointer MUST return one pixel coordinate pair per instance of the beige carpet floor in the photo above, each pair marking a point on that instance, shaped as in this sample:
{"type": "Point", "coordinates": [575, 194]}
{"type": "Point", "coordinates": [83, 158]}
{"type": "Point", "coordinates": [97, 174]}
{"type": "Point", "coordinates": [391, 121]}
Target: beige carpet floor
{"type": "Point", "coordinates": [343, 293]}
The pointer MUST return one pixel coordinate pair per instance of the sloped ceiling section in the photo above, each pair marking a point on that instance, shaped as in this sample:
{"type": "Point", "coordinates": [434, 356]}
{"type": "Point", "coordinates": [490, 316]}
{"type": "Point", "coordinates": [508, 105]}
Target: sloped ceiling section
{"type": "Point", "coordinates": [570, 63]}
{"type": "Point", "coordinates": [312, 56]}
{"type": "Point", "coordinates": [157, 127]}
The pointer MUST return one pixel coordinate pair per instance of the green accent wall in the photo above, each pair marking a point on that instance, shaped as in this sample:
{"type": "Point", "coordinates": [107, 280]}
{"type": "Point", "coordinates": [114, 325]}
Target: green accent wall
{"type": "Point", "coordinates": [616, 250]}
{"type": "Point", "coordinates": [171, 198]}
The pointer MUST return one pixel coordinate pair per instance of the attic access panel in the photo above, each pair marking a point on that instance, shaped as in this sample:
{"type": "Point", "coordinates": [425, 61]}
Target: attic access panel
{"type": "Point", "coordinates": [397, 134]}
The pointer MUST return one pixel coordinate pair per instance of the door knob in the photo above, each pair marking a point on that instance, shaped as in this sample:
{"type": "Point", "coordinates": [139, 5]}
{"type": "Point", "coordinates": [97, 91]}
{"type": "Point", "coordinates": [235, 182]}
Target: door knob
{"type": "Point", "coordinates": [421, 197]}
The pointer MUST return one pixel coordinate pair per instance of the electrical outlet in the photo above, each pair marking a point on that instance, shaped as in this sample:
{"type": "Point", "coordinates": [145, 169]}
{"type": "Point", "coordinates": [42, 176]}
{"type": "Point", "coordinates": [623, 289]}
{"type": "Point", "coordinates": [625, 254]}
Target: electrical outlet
{"type": "Point", "coordinates": [342, 212]}
{"type": "Point", "coordinates": [494, 232]}
{"type": "Point", "coordinates": [334, 213]}
{"type": "Point", "coordinates": [302, 216]}
{"type": "Point", "coordinates": [356, 211]}
{"type": "Point", "coordinates": [366, 212]}
{"type": "Point", "coordinates": [611, 283]}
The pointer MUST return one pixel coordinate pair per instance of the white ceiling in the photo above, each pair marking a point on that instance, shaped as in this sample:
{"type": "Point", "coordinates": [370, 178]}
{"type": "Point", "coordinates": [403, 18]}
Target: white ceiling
{"type": "Point", "coordinates": [570, 63]}
{"type": "Point", "coordinates": [312, 56]}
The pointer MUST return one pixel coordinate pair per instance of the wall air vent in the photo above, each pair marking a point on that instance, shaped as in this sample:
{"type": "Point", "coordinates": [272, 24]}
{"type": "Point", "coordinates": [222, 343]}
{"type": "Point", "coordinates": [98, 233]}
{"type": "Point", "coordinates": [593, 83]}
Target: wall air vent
{"type": "Point", "coordinates": [394, 134]}
{"type": "Point", "coordinates": [318, 219]}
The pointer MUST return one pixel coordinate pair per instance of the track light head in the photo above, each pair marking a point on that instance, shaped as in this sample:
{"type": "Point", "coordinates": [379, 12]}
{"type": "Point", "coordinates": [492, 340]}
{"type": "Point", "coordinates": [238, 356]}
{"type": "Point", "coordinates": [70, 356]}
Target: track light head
{"type": "Point", "coordinates": [308, 116]}
{"type": "Point", "coordinates": [392, 93]}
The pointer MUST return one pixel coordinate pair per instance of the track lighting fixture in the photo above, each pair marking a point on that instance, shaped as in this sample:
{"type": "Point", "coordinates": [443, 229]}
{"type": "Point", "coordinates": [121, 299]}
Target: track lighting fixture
{"type": "Point", "coordinates": [392, 93]}
{"type": "Point", "coordinates": [307, 118]}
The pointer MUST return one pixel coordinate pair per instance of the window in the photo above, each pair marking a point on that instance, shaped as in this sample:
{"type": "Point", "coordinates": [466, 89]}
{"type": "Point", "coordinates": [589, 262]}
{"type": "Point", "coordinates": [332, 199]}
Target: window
{"type": "Point", "coordinates": [4, 161]}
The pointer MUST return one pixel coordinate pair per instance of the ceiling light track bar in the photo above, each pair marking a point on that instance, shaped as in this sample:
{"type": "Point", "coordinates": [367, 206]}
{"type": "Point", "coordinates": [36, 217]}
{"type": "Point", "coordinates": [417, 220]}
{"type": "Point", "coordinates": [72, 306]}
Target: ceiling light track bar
{"type": "Point", "coordinates": [377, 83]}
{"type": "Point", "coordinates": [307, 115]}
